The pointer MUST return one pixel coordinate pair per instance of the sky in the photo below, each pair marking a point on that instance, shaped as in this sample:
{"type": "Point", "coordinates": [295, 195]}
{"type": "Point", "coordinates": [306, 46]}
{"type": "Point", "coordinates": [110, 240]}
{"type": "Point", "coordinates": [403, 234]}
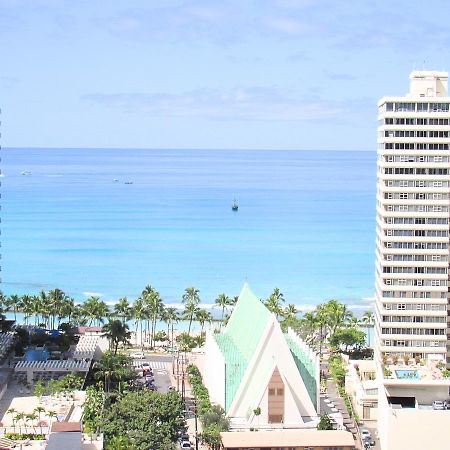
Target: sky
{"type": "Point", "coordinates": [275, 74]}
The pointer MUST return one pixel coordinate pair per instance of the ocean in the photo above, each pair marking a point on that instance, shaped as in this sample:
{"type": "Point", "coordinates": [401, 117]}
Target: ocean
{"type": "Point", "coordinates": [108, 222]}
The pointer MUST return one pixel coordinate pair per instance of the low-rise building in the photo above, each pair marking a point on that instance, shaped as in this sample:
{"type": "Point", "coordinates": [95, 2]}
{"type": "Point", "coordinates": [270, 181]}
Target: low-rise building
{"type": "Point", "coordinates": [288, 439]}
{"type": "Point", "coordinates": [361, 386]}
{"type": "Point", "coordinates": [406, 415]}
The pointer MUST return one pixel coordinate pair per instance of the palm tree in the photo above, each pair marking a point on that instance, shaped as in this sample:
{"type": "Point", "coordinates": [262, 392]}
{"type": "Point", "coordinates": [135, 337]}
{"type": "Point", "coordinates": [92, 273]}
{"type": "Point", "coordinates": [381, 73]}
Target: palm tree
{"type": "Point", "coordinates": [14, 302]}
{"type": "Point", "coordinates": [18, 417]}
{"type": "Point", "coordinates": [139, 313]}
{"type": "Point", "coordinates": [273, 303]}
{"type": "Point", "coordinates": [368, 320]}
{"type": "Point", "coordinates": [202, 316]}
{"type": "Point", "coordinates": [353, 322]}
{"type": "Point", "coordinates": [290, 311]}
{"type": "Point", "coordinates": [66, 309]}
{"type": "Point", "coordinates": [39, 410]}
{"type": "Point", "coordinates": [154, 306]}
{"type": "Point", "coordinates": [79, 316]}
{"type": "Point", "coordinates": [51, 415]}
{"type": "Point", "coordinates": [31, 417]}
{"type": "Point", "coordinates": [170, 316]}
{"type": "Point", "coordinates": [95, 310]}
{"type": "Point", "coordinates": [112, 367]}
{"type": "Point", "coordinates": [116, 332]}
{"type": "Point", "coordinates": [190, 299]}
{"type": "Point", "coordinates": [223, 301]}
{"type": "Point", "coordinates": [122, 309]}
{"type": "Point", "coordinates": [43, 308]}
{"type": "Point", "coordinates": [56, 298]}
{"type": "Point", "coordinates": [13, 413]}
{"type": "Point", "coordinates": [309, 326]}
{"type": "Point", "coordinates": [27, 307]}
{"type": "Point", "coordinates": [337, 315]}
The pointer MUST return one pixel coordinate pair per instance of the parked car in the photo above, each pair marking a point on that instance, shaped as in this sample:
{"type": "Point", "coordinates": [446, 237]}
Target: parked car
{"type": "Point", "coordinates": [447, 404]}
{"type": "Point", "coordinates": [138, 355]}
{"type": "Point", "coordinates": [365, 434]}
{"type": "Point", "coordinates": [438, 404]}
{"type": "Point", "coordinates": [184, 437]}
{"type": "Point", "coordinates": [185, 445]}
{"type": "Point", "coordinates": [368, 442]}
{"type": "Point", "coordinates": [171, 388]}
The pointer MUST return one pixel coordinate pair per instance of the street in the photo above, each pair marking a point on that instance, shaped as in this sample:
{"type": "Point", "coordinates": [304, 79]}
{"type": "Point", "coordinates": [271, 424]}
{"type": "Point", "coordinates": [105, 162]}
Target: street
{"type": "Point", "coordinates": [161, 366]}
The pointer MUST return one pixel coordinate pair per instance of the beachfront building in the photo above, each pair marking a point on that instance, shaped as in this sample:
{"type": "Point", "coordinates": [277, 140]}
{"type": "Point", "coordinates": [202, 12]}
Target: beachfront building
{"type": "Point", "coordinates": [262, 377]}
{"type": "Point", "coordinates": [412, 254]}
{"type": "Point", "coordinates": [413, 220]}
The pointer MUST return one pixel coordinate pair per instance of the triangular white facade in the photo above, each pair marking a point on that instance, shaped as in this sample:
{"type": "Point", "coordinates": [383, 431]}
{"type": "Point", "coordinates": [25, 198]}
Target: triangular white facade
{"type": "Point", "coordinates": [273, 353]}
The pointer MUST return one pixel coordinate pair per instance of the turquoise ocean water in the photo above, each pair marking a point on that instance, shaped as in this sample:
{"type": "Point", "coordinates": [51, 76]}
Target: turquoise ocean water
{"type": "Point", "coordinates": [306, 223]}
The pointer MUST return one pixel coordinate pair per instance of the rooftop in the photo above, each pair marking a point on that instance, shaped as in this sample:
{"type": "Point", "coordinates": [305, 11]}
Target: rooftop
{"type": "Point", "coordinates": [66, 427]}
{"type": "Point", "coordinates": [410, 371]}
{"type": "Point", "coordinates": [238, 341]}
{"type": "Point", "coordinates": [287, 438]}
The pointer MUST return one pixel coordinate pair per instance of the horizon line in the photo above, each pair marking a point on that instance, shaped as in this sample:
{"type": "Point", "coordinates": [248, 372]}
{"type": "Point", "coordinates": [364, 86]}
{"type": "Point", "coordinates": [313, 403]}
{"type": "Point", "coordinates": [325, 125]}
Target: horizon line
{"type": "Point", "coordinates": [186, 148]}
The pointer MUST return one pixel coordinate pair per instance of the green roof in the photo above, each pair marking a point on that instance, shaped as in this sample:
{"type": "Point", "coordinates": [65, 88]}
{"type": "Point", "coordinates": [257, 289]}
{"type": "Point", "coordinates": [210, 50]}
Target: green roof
{"type": "Point", "coordinates": [240, 338]}
{"type": "Point", "coordinates": [306, 367]}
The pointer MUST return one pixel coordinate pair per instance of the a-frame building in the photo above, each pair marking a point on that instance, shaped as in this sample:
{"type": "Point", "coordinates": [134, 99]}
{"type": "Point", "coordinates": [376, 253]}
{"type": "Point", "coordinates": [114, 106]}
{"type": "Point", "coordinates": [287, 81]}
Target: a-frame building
{"type": "Point", "coordinates": [263, 378]}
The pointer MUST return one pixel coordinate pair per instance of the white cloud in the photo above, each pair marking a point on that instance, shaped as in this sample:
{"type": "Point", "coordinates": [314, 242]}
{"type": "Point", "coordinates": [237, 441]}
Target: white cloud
{"type": "Point", "coordinates": [240, 103]}
{"type": "Point", "coordinates": [288, 26]}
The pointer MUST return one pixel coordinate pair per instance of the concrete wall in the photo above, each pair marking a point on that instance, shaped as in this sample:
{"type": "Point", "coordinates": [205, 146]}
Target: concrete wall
{"type": "Point", "coordinates": [417, 429]}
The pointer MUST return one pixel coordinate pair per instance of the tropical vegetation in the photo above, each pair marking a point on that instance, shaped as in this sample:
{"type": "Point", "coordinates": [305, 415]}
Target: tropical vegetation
{"type": "Point", "coordinates": [211, 416]}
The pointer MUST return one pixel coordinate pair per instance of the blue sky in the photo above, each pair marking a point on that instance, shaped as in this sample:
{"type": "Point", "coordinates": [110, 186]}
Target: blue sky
{"type": "Point", "coordinates": [278, 74]}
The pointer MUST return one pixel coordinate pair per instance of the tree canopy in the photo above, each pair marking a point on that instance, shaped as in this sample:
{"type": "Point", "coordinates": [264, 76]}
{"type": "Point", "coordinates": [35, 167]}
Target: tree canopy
{"type": "Point", "coordinates": [149, 419]}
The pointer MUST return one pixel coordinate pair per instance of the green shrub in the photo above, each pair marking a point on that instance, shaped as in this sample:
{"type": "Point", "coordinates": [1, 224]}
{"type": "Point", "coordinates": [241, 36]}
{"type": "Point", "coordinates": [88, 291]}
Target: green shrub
{"type": "Point", "coordinates": [23, 436]}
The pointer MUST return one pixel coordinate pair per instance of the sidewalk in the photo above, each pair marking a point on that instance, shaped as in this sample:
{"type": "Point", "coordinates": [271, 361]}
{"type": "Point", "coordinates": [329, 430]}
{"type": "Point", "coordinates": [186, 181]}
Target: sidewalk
{"type": "Point", "coordinates": [339, 404]}
{"type": "Point", "coordinates": [188, 394]}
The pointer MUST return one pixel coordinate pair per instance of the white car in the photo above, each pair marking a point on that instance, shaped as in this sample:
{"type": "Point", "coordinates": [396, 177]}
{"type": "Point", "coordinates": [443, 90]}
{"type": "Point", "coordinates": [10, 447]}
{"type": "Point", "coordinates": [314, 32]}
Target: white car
{"type": "Point", "coordinates": [365, 434]}
{"type": "Point", "coordinates": [438, 404]}
{"type": "Point", "coordinates": [185, 445]}
{"type": "Point", "coordinates": [138, 355]}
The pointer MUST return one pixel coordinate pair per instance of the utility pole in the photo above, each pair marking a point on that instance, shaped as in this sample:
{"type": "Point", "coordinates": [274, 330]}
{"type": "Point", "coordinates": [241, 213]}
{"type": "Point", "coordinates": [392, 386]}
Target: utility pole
{"type": "Point", "coordinates": [196, 428]}
{"type": "Point", "coordinates": [183, 391]}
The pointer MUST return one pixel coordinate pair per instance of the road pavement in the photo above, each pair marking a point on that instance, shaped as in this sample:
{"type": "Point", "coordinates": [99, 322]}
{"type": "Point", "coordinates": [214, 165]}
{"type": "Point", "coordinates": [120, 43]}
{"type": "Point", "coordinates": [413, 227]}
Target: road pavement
{"type": "Point", "coordinates": [372, 427]}
{"type": "Point", "coordinates": [164, 372]}
{"type": "Point", "coordinates": [162, 368]}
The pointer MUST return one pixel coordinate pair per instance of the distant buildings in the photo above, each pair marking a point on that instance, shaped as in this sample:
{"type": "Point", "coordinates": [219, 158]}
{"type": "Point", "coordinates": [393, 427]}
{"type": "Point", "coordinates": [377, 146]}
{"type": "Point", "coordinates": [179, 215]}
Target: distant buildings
{"type": "Point", "coordinates": [262, 377]}
{"type": "Point", "coordinates": [412, 257]}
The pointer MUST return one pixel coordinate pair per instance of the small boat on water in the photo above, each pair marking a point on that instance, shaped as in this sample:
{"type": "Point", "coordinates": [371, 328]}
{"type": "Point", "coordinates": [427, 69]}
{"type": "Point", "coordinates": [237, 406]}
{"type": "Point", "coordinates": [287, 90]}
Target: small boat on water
{"type": "Point", "coordinates": [115, 180]}
{"type": "Point", "coordinates": [26, 172]}
{"type": "Point", "coordinates": [128, 182]}
{"type": "Point", "coordinates": [234, 205]}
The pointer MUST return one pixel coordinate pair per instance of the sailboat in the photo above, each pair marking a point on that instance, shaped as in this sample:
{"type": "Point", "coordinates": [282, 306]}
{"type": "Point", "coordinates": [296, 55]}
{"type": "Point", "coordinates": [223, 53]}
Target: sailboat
{"type": "Point", "coordinates": [234, 205]}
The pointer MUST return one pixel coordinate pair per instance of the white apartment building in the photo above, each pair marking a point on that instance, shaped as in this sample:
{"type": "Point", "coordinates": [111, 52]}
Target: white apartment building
{"type": "Point", "coordinates": [412, 254]}
{"type": "Point", "coordinates": [412, 248]}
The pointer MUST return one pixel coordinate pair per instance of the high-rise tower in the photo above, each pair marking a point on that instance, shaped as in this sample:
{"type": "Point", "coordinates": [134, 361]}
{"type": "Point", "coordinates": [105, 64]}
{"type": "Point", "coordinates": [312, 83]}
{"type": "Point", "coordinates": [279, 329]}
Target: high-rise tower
{"type": "Point", "coordinates": [412, 250]}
